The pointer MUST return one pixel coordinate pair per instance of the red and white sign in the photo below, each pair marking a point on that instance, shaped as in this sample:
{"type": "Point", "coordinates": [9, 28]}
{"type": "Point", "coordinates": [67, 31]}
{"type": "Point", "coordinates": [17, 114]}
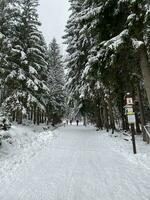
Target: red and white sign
{"type": "Point", "coordinates": [129, 101]}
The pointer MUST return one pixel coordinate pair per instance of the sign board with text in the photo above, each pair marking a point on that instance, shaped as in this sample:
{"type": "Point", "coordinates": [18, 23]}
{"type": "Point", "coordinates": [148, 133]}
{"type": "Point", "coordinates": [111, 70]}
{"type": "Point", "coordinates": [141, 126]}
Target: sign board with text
{"type": "Point", "coordinates": [131, 119]}
{"type": "Point", "coordinates": [130, 110]}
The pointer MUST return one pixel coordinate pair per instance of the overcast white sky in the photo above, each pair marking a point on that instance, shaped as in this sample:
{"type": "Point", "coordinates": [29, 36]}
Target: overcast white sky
{"type": "Point", "coordinates": [53, 15]}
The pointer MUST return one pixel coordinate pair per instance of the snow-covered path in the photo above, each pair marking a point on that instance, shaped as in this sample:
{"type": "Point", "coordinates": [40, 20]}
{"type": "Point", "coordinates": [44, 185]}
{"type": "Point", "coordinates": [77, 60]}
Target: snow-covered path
{"type": "Point", "coordinates": [80, 164]}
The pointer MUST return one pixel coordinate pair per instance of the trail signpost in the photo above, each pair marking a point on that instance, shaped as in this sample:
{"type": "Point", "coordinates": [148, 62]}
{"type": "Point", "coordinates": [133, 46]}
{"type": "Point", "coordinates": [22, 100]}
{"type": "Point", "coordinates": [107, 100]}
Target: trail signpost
{"type": "Point", "coordinates": [131, 119]}
{"type": "Point", "coordinates": [129, 101]}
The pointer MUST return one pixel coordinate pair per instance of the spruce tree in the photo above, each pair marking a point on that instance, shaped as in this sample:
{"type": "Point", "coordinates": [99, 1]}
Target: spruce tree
{"type": "Point", "coordinates": [76, 57]}
{"type": "Point", "coordinates": [112, 36]}
{"type": "Point", "coordinates": [56, 83]}
{"type": "Point", "coordinates": [26, 80]}
{"type": "Point", "coordinates": [9, 13]}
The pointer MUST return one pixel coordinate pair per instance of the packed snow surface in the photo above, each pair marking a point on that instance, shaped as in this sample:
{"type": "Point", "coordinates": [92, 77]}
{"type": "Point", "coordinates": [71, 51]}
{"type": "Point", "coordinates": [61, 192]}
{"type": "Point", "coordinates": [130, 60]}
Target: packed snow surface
{"type": "Point", "coordinates": [78, 164]}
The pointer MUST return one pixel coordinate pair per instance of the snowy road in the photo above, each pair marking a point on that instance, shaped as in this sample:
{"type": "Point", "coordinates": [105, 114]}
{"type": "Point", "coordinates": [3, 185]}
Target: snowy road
{"type": "Point", "coordinates": [80, 164]}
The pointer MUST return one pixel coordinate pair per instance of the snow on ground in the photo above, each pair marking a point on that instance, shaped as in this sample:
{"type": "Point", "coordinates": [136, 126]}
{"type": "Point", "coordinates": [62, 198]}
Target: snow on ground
{"type": "Point", "coordinates": [79, 164]}
{"type": "Point", "coordinates": [23, 143]}
{"type": "Point", "coordinates": [122, 143]}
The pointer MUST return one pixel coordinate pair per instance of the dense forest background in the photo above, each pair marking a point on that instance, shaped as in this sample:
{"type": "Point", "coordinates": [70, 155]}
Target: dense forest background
{"type": "Point", "coordinates": [108, 57]}
{"type": "Point", "coordinates": [108, 45]}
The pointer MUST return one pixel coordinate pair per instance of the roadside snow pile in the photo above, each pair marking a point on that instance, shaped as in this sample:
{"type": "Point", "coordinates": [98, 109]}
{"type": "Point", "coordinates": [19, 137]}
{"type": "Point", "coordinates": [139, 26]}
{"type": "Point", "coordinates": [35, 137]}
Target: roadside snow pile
{"type": "Point", "coordinates": [21, 144]}
{"type": "Point", "coordinates": [122, 144]}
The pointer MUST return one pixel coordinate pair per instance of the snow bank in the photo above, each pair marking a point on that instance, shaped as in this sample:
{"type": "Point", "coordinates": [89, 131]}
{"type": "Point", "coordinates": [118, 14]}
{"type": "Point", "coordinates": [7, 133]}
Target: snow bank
{"type": "Point", "coordinates": [122, 144]}
{"type": "Point", "coordinates": [20, 145]}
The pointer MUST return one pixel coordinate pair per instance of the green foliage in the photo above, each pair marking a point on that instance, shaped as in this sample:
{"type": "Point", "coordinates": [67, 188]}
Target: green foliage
{"type": "Point", "coordinates": [104, 38]}
{"type": "Point", "coordinates": [55, 81]}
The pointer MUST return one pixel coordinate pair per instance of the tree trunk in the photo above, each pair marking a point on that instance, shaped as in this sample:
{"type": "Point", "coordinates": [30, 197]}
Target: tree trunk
{"type": "Point", "coordinates": [102, 116]}
{"type": "Point", "coordinates": [145, 68]}
{"type": "Point", "coordinates": [136, 110]}
{"type": "Point", "coordinates": [98, 118]}
{"type": "Point", "coordinates": [13, 116]}
{"type": "Point", "coordinates": [31, 113]}
{"type": "Point", "coordinates": [142, 117]}
{"type": "Point", "coordinates": [84, 120]}
{"type": "Point", "coordinates": [106, 121]}
{"type": "Point", "coordinates": [35, 118]}
{"type": "Point", "coordinates": [21, 117]}
{"type": "Point", "coordinates": [138, 130]}
{"type": "Point", "coordinates": [111, 114]}
{"type": "Point", "coordinates": [17, 115]}
{"type": "Point", "coordinates": [123, 119]}
{"type": "Point", "coordinates": [38, 116]}
{"type": "Point", "coordinates": [42, 117]}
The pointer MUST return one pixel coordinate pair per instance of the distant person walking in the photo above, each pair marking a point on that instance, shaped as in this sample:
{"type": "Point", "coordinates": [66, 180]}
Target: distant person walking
{"type": "Point", "coordinates": [77, 122]}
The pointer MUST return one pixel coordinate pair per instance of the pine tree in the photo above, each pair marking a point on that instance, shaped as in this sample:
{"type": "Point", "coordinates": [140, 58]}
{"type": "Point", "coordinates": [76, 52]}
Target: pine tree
{"type": "Point", "coordinates": [110, 35]}
{"type": "Point", "coordinates": [76, 57]}
{"type": "Point", "coordinates": [9, 12]}
{"type": "Point", "coordinates": [25, 81]}
{"type": "Point", "coordinates": [55, 82]}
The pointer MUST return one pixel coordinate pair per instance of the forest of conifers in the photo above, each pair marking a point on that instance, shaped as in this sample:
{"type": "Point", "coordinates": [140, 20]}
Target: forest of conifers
{"type": "Point", "coordinates": [108, 45]}
{"type": "Point", "coordinates": [108, 57]}
{"type": "Point", "coordinates": [31, 74]}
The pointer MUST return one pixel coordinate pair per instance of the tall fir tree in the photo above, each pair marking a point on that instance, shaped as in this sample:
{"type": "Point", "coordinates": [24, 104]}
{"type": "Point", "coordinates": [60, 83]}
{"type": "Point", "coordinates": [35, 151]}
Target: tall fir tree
{"type": "Point", "coordinates": [26, 78]}
{"type": "Point", "coordinates": [113, 37]}
{"type": "Point", "coordinates": [55, 107]}
{"type": "Point", "coordinates": [9, 13]}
